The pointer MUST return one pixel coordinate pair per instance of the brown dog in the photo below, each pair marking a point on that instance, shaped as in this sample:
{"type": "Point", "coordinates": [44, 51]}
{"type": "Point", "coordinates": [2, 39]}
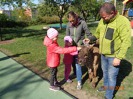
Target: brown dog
{"type": "Point", "coordinates": [89, 56]}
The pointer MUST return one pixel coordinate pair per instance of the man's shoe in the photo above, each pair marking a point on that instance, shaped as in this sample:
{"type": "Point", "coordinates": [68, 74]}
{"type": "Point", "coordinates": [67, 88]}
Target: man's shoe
{"type": "Point", "coordinates": [54, 88]}
{"type": "Point", "coordinates": [101, 89]}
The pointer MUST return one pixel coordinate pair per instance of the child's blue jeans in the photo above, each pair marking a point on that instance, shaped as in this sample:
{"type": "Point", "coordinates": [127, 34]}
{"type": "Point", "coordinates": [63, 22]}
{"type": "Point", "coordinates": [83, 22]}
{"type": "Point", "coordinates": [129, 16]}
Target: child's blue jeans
{"type": "Point", "coordinates": [78, 71]}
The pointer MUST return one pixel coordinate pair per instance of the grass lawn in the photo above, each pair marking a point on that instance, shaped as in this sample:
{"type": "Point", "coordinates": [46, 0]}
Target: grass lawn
{"type": "Point", "coordinates": [28, 49]}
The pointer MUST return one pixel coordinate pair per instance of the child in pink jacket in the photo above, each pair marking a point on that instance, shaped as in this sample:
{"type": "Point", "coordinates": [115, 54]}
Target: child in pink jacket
{"type": "Point", "coordinates": [53, 55]}
{"type": "Point", "coordinates": [68, 58]}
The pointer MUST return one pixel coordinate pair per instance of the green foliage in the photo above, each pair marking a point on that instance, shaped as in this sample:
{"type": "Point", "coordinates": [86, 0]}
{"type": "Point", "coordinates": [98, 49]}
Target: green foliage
{"type": "Point", "coordinates": [47, 10]}
{"type": "Point", "coordinates": [6, 22]}
{"type": "Point", "coordinates": [32, 22]}
{"type": "Point", "coordinates": [88, 8]}
{"type": "Point", "coordinates": [48, 19]}
{"type": "Point", "coordinates": [65, 20]}
{"type": "Point", "coordinates": [54, 7]}
{"type": "Point", "coordinates": [20, 15]}
{"type": "Point", "coordinates": [131, 5]}
{"type": "Point", "coordinates": [128, 5]}
{"type": "Point", "coordinates": [3, 17]}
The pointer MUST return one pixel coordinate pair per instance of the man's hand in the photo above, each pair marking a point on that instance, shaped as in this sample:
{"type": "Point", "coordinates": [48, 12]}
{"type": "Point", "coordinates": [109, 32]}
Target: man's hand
{"type": "Point", "coordinates": [116, 62]}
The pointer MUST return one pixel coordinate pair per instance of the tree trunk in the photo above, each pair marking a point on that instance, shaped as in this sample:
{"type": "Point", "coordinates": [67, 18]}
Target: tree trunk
{"type": "Point", "coordinates": [83, 13]}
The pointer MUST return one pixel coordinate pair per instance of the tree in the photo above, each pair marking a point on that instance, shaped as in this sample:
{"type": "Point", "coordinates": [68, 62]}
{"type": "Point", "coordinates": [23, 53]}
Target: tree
{"type": "Point", "coordinates": [88, 7]}
{"type": "Point", "coordinates": [95, 8]}
{"type": "Point", "coordinates": [18, 5]}
{"type": "Point", "coordinates": [56, 7]}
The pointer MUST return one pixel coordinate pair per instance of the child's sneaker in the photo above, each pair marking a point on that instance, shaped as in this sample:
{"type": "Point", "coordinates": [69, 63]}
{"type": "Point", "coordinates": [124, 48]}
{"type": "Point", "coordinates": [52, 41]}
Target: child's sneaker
{"type": "Point", "coordinates": [54, 88]}
{"type": "Point", "coordinates": [69, 81]}
{"type": "Point", "coordinates": [79, 87]}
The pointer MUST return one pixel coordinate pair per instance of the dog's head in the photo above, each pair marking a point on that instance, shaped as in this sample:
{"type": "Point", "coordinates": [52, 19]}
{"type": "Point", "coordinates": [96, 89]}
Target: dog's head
{"type": "Point", "coordinates": [84, 55]}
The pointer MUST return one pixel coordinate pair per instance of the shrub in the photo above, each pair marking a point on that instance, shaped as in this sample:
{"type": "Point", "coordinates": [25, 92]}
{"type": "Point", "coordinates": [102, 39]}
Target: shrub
{"type": "Point", "coordinates": [3, 17]}
{"type": "Point", "coordinates": [11, 24]}
{"type": "Point", "coordinates": [65, 20]}
{"type": "Point", "coordinates": [21, 24]}
{"type": "Point", "coordinates": [6, 22]}
{"type": "Point", "coordinates": [32, 22]}
{"type": "Point", "coordinates": [48, 19]}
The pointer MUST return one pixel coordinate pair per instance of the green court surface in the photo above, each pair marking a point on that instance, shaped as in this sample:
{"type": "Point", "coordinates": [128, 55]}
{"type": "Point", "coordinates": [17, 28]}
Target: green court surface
{"type": "Point", "coordinates": [17, 82]}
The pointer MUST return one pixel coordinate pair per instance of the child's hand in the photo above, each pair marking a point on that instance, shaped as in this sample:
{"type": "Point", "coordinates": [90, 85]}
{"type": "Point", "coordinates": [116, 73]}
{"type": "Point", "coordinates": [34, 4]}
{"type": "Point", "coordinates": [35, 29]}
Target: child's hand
{"type": "Point", "coordinates": [78, 48]}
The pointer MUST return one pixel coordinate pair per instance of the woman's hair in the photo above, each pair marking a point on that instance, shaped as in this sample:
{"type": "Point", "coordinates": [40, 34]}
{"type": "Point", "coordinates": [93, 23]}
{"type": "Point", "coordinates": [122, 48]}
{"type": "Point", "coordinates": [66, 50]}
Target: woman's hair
{"type": "Point", "coordinates": [72, 14]}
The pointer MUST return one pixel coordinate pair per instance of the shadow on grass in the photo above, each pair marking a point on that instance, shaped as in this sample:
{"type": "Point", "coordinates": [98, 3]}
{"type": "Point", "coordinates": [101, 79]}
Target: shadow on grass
{"type": "Point", "coordinates": [13, 56]}
{"type": "Point", "coordinates": [125, 69]}
{"type": "Point", "coordinates": [8, 34]}
{"type": "Point", "coordinates": [99, 74]}
{"type": "Point", "coordinates": [84, 71]}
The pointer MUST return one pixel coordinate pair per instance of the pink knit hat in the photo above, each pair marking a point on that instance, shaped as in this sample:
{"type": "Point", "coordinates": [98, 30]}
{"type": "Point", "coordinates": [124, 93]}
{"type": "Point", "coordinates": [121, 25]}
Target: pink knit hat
{"type": "Point", "coordinates": [52, 33]}
{"type": "Point", "coordinates": [68, 38]}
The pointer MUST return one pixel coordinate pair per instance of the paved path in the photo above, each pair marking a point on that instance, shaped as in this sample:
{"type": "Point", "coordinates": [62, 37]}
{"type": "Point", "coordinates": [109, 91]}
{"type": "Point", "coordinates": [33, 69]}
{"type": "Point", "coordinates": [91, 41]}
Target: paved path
{"type": "Point", "coordinates": [17, 82]}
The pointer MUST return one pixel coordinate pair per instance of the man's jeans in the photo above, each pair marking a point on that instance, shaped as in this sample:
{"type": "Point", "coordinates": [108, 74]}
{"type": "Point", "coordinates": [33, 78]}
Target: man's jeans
{"type": "Point", "coordinates": [110, 73]}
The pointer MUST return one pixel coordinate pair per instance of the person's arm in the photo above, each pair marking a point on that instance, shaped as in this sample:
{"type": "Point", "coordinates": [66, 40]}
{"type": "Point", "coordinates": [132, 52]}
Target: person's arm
{"type": "Point", "coordinates": [95, 36]}
{"type": "Point", "coordinates": [88, 33]}
{"type": "Point", "coordinates": [61, 50]}
{"type": "Point", "coordinates": [125, 36]}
